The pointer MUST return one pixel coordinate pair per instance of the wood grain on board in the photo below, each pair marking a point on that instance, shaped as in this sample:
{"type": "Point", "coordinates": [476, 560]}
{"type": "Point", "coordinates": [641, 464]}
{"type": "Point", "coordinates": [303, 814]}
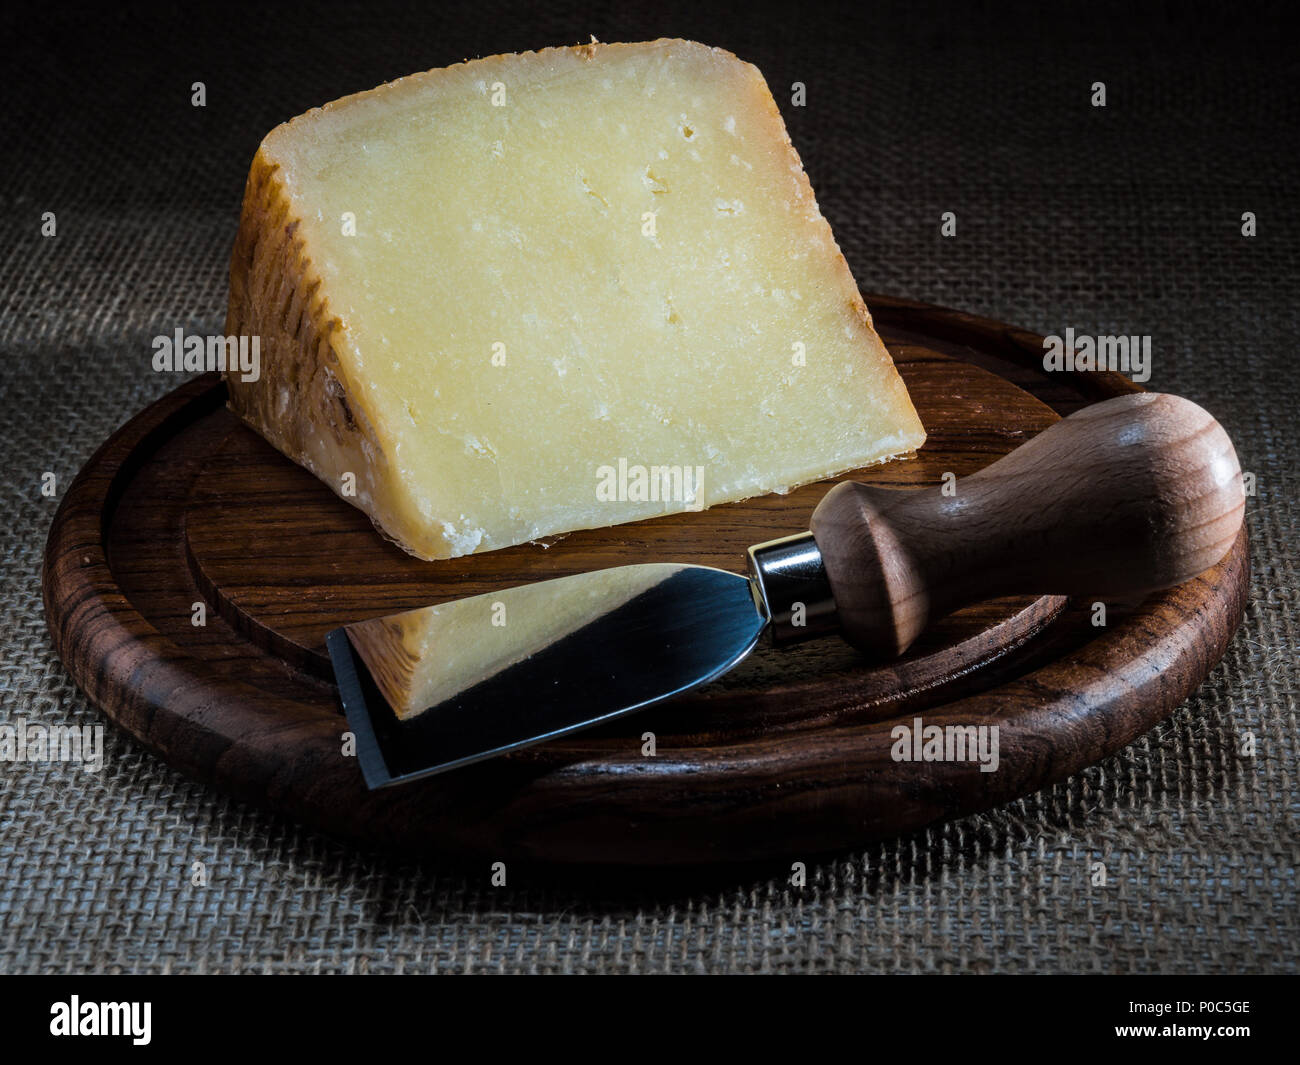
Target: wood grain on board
{"type": "Point", "coordinates": [787, 755]}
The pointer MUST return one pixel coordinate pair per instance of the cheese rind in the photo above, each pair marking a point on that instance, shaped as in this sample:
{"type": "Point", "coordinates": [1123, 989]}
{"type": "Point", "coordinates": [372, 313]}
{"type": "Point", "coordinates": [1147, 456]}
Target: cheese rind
{"type": "Point", "coordinates": [479, 290]}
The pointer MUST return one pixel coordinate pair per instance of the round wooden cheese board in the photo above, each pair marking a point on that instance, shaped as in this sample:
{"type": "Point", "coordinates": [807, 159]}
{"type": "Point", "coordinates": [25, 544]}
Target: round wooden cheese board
{"type": "Point", "coordinates": [185, 516]}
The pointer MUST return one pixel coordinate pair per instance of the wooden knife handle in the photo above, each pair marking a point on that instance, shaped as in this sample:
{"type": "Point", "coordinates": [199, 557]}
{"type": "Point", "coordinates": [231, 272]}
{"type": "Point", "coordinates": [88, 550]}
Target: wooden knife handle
{"type": "Point", "coordinates": [1121, 498]}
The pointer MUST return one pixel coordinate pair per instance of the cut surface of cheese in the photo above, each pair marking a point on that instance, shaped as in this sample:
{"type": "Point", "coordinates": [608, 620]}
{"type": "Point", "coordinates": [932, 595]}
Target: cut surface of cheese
{"type": "Point", "coordinates": [559, 290]}
{"type": "Point", "coordinates": [422, 658]}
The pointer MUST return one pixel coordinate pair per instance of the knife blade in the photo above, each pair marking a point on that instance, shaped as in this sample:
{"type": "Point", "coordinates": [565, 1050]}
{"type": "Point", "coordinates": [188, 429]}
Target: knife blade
{"type": "Point", "coordinates": [1127, 496]}
{"type": "Point", "coordinates": [512, 672]}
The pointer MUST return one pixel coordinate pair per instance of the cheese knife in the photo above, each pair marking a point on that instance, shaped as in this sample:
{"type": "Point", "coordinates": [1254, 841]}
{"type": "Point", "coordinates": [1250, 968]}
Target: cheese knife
{"type": "Point", "coordinates": [1125, 497]}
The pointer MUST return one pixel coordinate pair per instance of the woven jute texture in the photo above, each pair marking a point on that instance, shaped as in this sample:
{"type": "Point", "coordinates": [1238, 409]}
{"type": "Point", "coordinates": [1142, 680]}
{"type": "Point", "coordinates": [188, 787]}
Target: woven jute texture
{"type": "Point", "coordinates": [1125, 219]}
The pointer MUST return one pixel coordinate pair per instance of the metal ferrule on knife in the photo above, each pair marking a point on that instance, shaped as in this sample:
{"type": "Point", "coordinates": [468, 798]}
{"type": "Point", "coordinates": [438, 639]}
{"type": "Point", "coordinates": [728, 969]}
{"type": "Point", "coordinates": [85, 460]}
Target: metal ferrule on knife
{"type": "Point", "coordinates": [792, 590]}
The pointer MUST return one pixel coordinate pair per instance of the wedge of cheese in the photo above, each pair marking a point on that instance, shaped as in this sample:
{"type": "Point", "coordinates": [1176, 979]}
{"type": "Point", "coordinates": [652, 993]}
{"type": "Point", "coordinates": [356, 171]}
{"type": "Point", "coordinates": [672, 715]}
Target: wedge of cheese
{"type": "Point", "coordinates": [423, 658]}
{"type": "Point", "coordinates": [553, 291]}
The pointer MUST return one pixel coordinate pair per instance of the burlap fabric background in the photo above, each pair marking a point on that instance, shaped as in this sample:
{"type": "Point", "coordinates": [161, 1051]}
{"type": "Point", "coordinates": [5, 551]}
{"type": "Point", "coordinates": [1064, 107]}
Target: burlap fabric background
{"type": "Point", "coordinates": [1118, 220]}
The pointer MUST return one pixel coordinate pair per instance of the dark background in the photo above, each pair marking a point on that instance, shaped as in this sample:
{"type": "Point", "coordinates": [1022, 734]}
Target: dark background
{"type": "Point", "coordinates": [1124, 219]}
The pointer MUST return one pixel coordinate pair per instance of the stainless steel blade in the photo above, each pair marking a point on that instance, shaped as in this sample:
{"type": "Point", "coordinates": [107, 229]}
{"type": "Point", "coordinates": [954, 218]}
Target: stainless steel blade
{"type": "Point", "coordinates": [528, 664]}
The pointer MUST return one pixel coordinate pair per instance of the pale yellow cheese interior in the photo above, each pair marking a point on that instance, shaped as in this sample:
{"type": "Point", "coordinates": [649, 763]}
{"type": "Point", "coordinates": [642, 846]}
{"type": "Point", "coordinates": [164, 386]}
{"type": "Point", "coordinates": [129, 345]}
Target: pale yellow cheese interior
{"type": "Point", "coordinates": [542, 264]}
{"type": "Point", "coordinates": [422, 658]}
